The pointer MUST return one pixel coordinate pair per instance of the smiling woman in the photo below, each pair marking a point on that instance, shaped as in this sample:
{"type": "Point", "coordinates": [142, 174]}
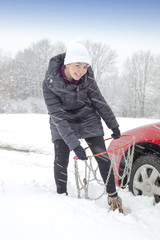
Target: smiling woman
{"type": "Point", "coordinates": [76, 106]}
{"type": "Point", "coordinates": [73, 69]}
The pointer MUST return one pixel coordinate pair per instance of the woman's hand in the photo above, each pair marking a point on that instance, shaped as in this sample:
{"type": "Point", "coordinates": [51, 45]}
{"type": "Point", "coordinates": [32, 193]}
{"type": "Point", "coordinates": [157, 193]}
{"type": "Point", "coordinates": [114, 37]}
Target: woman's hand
{"type": "Point", "coordinates": [116, 133]}
{"type": "Point", "coordinates": [80, 153]}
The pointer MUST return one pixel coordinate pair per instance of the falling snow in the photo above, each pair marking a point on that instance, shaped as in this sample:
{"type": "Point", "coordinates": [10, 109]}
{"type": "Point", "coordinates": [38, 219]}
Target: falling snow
{"type": "Point", "coordinates": [30, 207]}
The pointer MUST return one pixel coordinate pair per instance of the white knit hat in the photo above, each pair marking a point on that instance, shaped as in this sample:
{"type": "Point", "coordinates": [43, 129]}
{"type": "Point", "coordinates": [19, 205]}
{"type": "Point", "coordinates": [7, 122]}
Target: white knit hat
{"type": "Point", "coordinates": [77, 52]}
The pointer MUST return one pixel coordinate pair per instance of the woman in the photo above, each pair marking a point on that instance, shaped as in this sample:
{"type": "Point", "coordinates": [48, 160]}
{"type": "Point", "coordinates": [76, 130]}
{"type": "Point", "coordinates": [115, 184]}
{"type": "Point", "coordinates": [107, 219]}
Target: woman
{"type": "Point", "coordinates": [76, 106]}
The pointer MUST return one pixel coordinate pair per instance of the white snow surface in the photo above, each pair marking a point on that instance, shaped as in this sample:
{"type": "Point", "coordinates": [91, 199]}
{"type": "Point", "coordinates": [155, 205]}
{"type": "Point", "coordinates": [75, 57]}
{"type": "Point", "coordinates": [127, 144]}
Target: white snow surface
{"type": "Point", "coordinates": [30, 208]}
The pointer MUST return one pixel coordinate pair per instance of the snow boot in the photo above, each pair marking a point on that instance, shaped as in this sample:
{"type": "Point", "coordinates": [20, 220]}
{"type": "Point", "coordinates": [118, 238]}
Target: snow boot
{"type": "Point", "coordinates": [115, 203]}
{"type": "Point", "coordinates": [64, 194]}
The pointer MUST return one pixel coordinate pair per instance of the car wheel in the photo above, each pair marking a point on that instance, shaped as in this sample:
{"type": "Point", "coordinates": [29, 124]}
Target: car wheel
{"type": "Point", "coordinates": [145, 177]}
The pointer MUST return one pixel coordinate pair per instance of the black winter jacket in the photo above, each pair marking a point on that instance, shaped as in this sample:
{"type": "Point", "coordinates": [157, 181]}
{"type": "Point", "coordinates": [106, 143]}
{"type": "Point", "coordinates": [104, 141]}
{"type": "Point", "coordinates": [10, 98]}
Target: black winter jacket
{"type": "Point", "coordinates": [75, 110]}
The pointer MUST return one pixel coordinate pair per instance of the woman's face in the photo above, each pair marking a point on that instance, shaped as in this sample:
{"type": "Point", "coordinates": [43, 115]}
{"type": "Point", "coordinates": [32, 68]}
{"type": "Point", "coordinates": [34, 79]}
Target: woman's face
{"type": "Point", "coordinates": [75, 70]}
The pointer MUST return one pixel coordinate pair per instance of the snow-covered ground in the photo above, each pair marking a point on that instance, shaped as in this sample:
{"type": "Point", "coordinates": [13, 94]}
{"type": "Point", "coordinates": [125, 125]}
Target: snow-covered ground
{"type": "Point", "coordinates": [30, 209]}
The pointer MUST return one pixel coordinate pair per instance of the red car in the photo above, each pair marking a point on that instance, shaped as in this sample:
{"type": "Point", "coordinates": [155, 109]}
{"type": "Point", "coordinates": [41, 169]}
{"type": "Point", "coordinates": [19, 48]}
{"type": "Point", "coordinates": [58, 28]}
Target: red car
{"type": "Point", "coordinates": [145, 171]}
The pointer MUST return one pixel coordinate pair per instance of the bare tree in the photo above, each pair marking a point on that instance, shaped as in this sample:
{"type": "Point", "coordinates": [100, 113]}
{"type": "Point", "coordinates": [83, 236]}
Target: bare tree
{"type": "Point", "coordinates": [138, 75]}
{"type": "Point", "coordinates": [153, 101]}
{"type": "Point", "coordinates": [6, 80]}
{"type": "Point", "coordinates": [30, 66]}
{"type": "Point", "coordinates": [134, 94]}
{"type": "Point", "coordinates": [21, 78]}
{"type": "Point", "coordinates": [105, 70]}
{"type": "Point", "coordinates": [103, 59]}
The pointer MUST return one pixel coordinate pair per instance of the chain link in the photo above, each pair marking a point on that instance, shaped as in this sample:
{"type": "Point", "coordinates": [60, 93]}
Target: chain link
{"type": "Point", "coordinates": [91, 173]}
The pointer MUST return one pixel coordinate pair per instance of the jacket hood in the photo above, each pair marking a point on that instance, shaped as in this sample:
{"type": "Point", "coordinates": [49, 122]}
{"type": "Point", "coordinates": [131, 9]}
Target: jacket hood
{"type": "Point", "coordinates": [56, 81]}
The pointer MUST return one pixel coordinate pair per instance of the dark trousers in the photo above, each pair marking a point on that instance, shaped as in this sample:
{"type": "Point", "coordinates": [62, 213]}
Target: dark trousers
{"type": "Point", "coordinates": [97, 145]}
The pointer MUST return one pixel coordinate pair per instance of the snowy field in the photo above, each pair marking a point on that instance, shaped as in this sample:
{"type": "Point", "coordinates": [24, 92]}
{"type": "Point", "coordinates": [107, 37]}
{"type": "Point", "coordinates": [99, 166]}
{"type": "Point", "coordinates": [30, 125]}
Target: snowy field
{"type": "Point", "coordinates": [30, 209]}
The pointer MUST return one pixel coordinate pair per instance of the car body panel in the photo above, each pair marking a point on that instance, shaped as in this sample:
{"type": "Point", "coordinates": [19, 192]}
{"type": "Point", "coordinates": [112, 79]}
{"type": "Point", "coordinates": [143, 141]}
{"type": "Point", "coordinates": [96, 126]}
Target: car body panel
{"type": "Point", "coordinates": [144, 134]}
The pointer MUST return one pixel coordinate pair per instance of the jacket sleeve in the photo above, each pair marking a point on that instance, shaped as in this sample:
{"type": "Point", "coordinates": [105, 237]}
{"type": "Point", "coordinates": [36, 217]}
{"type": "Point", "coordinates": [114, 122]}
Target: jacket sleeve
{"type": "Point", "coordinates": [100, 104]}
{"type": "Point", "coordinates": [55, 109]}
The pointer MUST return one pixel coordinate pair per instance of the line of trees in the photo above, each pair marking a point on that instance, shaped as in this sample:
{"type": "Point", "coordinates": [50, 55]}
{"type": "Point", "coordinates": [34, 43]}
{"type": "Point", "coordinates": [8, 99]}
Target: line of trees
{"type": "Point", "coordinates": [133, 93]}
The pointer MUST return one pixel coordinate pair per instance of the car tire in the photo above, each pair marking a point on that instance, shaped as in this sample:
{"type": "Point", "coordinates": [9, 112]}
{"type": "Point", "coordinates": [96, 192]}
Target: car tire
{"type": "Point", "coordinates": [145, 177]}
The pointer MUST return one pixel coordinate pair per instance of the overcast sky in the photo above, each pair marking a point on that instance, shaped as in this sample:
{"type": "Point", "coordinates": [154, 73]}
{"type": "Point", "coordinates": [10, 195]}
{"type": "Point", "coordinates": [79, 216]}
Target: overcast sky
{"type": "Point", "coordinates": [125, 25]}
